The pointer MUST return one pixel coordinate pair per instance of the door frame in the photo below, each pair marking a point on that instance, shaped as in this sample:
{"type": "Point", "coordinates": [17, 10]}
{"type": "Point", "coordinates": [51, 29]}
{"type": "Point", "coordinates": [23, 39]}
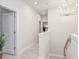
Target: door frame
{"type": "Point", "coordinates": [15, 34]}
{"type": "Point", "coordinates": [15, 28]}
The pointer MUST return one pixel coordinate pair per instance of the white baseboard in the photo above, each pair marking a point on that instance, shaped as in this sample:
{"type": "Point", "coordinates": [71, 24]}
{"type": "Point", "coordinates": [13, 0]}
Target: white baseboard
{"type": "Point", "coordinates": [43, 57]}
{"type": "Point", "coordinates": [25, 49]}
{"type": "Point", "coordinates": [55, 55]}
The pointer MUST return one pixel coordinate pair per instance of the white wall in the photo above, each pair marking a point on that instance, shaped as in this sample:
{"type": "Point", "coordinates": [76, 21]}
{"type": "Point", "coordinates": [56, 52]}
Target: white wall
{"type": "Point", "coordinates": [27, 23]}
{"type": "Point", "coordinates": [44, 17]}
{"type": "Point", "coordinates": [60, 27]}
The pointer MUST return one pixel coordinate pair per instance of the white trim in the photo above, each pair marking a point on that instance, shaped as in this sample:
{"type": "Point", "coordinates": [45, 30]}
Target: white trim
{"type": "Point", "coordinates": [43, 58]}
{"type": "Point", "coordinates": [74, 36]}
{"type": "Point", "coordinates": [55, 55]}
{"type": "Point", "coordinates": [25, 49]}
{"type": "Point", "coordinates": [19, 53]}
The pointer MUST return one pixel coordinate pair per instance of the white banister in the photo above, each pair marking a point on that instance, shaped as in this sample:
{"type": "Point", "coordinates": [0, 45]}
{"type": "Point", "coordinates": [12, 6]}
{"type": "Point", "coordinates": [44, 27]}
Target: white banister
{"type": "Point", "coordinates": [72, 50]}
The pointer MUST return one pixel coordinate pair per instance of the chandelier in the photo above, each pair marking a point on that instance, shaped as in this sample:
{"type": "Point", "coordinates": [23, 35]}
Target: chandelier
{"type": "Point", "coordinates": [68, 7]}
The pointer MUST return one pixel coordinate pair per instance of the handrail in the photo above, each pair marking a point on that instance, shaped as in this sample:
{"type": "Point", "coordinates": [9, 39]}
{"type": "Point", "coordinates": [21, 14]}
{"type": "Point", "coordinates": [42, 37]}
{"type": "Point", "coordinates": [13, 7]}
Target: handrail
{"type": "Point", "coordinates": [68, 42]}
{"type": "Point", "coordinates": [67, 45]}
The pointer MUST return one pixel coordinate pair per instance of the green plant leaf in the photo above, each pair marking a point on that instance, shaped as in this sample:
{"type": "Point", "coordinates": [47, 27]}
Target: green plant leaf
{"type": "Point", "coordinates": [2, 41]}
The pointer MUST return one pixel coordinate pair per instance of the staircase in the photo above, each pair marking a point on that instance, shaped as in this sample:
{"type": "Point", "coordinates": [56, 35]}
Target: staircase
{"type": "Point", "coordinates": [71, 48]}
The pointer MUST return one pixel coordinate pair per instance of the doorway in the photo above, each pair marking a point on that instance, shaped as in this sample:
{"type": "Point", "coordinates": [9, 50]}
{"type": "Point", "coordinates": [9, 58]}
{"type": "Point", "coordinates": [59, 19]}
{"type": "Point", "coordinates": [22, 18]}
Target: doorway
{"type": "Point", "coordinates": [8, 30]}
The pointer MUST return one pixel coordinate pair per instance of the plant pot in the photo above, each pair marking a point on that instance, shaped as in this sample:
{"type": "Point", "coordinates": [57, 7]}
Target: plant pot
{"type": "Point", "coordinates": [1, 56]}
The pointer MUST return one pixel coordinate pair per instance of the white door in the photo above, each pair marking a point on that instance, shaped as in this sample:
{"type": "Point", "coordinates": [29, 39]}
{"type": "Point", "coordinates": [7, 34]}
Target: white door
{"type": "Point", "coordinates": [8, 25]}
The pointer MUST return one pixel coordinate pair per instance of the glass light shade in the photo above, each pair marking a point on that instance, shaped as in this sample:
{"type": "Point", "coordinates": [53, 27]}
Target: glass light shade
{"type": "Point", "coordinates": [67, 8]}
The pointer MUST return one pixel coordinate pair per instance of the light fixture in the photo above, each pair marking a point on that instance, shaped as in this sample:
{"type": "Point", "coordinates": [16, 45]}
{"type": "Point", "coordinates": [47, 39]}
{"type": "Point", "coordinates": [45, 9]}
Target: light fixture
{"type": "Point", "coordinates": [35, 3]}
{"type": "Point", "coordinates": [68, 8]}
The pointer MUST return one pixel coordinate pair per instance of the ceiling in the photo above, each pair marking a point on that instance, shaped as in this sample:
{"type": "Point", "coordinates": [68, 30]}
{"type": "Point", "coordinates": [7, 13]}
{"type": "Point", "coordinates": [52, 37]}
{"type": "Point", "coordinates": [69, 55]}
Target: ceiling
{"type": "Point", "coordinates": [43, 5]}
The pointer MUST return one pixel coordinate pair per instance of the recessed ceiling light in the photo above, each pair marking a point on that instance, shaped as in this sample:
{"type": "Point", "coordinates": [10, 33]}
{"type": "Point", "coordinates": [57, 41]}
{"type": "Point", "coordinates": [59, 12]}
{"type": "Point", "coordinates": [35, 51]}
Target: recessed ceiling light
{"type": "Point", "coordinates": [35, 3]}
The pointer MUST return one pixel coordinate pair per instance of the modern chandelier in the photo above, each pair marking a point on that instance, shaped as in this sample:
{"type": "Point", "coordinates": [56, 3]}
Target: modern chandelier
{"type": "Point", "coordinates": [68, 7]}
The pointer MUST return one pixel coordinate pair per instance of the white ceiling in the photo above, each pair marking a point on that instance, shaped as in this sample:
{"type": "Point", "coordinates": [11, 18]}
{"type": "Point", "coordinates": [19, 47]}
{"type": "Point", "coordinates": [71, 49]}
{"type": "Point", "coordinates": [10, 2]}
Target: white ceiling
{"type": "Point", "coordinates": [42, 5]}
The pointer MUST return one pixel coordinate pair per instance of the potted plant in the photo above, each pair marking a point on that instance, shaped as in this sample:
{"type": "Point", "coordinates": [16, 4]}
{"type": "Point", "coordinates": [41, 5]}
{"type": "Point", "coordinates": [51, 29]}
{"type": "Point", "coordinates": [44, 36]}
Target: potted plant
{"type": "Point", "coordinates": [2, 43]}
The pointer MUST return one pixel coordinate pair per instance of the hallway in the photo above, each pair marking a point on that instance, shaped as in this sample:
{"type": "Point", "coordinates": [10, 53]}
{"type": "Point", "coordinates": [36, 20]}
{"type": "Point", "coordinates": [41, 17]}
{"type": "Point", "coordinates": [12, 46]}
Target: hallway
{"type": "Point", "coordinates": [29, 54]}
{"type": "Point", "coordinates": [40, 29]}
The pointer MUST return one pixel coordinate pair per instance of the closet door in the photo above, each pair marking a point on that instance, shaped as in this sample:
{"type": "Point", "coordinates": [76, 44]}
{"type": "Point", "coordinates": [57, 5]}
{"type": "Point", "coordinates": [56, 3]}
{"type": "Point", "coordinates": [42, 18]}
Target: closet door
{"type": "Point", "coordinates": [8, 25]}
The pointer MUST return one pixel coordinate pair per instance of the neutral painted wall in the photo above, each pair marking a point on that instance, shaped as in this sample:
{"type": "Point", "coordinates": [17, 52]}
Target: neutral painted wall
{"type": "Point", "coordinates": [27, 26]}
{"type": "Point", "coordinates": [60, 27]}
{"type": "Point", "coordinates": [44, 17]}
